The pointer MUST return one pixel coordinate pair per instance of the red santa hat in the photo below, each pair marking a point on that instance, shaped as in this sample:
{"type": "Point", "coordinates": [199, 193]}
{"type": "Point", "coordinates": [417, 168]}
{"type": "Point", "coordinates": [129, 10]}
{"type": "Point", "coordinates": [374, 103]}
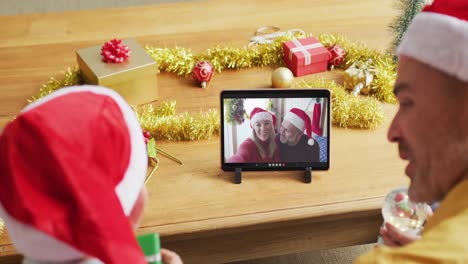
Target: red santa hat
{"type": "Point", "coordinates": [302, 121]}
{"type": "Point", "coordinates": [438, 37]}
{"type": "Point", "coordinates": [258, 114]}
{"type": "Point", "coordinates": [72, 166]}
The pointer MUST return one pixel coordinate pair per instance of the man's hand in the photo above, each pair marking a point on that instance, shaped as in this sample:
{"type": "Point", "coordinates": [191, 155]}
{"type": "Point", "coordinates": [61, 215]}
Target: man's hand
{"type": "Point", "coordinates": [392, 237]}
{"type": "Point", "coordinates": [169, 257]}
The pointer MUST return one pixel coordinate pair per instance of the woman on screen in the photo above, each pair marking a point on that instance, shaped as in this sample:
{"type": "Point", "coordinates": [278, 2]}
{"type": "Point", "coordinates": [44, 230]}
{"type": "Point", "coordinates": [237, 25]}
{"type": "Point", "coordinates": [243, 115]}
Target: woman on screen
{"type": "Point", "coordinates": [261, 146]}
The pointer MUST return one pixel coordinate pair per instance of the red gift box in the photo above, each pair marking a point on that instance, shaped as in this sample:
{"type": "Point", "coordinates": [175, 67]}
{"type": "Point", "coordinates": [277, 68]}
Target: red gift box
{"type": "Point", "coordinates": [305, 56]}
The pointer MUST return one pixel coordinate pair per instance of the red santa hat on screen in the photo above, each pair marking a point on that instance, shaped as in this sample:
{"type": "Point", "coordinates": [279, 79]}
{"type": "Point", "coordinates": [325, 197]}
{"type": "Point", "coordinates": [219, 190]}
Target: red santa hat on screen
{"type": "Point", "coordinates": [302, 121]}
{"type": "Point", "coordinates": [71, 169]}
{"type": "Point", "coordinates": [258, 114]}
{"type": "Point", "coordinates": [438, 37]}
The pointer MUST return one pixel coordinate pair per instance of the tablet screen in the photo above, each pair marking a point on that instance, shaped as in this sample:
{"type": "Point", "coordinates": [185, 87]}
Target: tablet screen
{"type": "Point", "coordinates": [275, 129]}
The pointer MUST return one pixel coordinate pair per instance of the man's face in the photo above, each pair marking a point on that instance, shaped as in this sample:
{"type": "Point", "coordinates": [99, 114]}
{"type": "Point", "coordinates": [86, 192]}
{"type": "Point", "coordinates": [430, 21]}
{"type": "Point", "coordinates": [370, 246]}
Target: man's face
{"type": "Point", "coordinates": [263, 129]}
{"type": "Point", "coordinates": [430, 129]}
{"type": "Point", "coordinates": [289, 133]}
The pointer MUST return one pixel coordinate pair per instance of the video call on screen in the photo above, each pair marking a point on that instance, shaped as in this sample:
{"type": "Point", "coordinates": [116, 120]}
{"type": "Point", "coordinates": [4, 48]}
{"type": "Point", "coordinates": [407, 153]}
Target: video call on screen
{"type": "Point", "coordinates": [279, 139]}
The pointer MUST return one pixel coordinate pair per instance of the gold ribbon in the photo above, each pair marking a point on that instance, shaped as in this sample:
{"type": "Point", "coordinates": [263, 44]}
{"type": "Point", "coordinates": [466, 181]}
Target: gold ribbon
{"type": "Point", "coordinates": [267, 34]}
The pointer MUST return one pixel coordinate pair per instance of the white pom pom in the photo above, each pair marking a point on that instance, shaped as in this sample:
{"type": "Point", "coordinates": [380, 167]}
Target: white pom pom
{"type": "Point", "coordinates": [311, 141]}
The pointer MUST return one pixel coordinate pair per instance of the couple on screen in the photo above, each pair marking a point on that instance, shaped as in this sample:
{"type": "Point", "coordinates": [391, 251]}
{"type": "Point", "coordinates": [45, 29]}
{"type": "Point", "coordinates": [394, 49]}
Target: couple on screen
{"type": "Point", "coordinates": [293, 143]}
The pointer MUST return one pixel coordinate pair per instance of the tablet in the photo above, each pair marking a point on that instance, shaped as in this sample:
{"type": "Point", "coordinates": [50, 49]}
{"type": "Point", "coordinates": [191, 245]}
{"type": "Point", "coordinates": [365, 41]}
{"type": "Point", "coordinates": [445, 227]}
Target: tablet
{"type": "Point", "coordinates": [275, 129]}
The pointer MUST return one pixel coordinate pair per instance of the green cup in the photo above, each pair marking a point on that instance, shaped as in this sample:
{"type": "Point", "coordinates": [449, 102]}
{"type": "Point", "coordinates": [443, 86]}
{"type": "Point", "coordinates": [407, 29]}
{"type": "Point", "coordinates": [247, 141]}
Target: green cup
{"type": "Point", "coordinates": [151, 246]}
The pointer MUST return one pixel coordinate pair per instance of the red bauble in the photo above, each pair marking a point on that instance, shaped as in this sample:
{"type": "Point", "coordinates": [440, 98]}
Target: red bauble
{"type": "Point", "coordinates": [399, 197]}
{"type": "Point", "coordinates": [146, 134]}
{"type": "Point", "coordinates": [115, 51]}
{"type": "Point", "coordinates": [203, 72]}
{"type": "Point", "coordinates": [337, 56]}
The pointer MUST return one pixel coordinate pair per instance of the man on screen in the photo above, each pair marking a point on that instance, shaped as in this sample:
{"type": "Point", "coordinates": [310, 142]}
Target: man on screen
{"type": "Point", "coordinates": [294, 145]}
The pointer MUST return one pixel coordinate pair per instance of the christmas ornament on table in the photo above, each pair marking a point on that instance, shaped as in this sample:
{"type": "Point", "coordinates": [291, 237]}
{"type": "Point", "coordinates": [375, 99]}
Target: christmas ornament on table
{"type": "Point", "coordinates": [282, 78]}
{"type": "Point", "coordinates": [203, 72]}
{"type": "Point", "coordinates": [123, 66]}
{"type": "Point", "coordinates": [305, 56]}
{"type": "Point", "coordinates": [403, 214]}
{"type": "Point", "coordinates": [150, 244]}
{"type": "Point", "coordinates": [358, 77]}
{"type": "Point", "coordinates": [337, 56]}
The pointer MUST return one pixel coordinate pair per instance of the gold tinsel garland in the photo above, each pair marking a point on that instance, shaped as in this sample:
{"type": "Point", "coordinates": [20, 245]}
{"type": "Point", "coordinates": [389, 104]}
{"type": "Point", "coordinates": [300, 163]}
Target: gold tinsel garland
{"type": "Point", "coordinates": [71, 77]}
{"type": "Point", "coordinates": [163, 123]}
{"type": "Point", "coordinates": [347, 111]}
{"type": "Point", "coordinates": [181, 61]}
{"type": "Point", "coordinates": [384, 80]}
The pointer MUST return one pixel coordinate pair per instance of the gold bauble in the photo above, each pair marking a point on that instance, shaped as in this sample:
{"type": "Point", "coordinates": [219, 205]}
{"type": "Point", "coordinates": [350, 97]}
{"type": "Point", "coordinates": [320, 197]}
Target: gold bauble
{"type": "Point", "coordinates": [282, 78]}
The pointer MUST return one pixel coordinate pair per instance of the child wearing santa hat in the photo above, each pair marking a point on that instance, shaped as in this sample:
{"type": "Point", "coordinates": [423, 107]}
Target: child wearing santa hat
{"type": "Point", "coordinates": [261, 146]}
{"type": "Point", "coordinates": [295, 138]}
{"type": "Point", "coordinates": [72, 171]}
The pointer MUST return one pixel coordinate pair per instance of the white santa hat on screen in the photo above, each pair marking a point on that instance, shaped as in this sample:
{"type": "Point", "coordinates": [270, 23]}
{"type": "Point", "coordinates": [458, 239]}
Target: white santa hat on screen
{"type": "Point", "coordinates": [438, 37]}
{"type": "Point", "coordinates": [301, 121]}
{"type": "Point", "coordinates": [72, 166]}
{"type": "Point", "coordinates": [258, 114]}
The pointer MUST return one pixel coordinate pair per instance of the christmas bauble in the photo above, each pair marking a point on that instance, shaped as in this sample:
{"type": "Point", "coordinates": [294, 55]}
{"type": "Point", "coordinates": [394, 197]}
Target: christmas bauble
{"type": "Point", "coordinates": [282, 78]}
{"type": "Point", "coordinates": [203, 72]}
{"type": "Point", "coordinates": [337, 56]}
{"type": "Point", "coordinates": [402, 213]}
{"type": "Point", "coordinates": [147, 136]}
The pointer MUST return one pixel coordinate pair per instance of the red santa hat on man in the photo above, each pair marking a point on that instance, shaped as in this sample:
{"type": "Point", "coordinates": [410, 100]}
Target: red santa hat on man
{"type": "Point", "coordinates": [71, 169]}
{"type": "Point", "coordinates": [258, 114]}
{"type": "Point", "coordinates": [302, 121]}
{"type": "Point", "coordinates": [438, 37]}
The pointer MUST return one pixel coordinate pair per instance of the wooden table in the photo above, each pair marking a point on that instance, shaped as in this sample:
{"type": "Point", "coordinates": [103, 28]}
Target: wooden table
{"type": "Point", "coordinates": [196, 208]}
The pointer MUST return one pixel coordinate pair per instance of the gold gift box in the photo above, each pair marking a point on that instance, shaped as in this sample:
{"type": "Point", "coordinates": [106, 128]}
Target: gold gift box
{"type": "Point", "coordinates": [357, 80]}
{"type": "Point", "coordinates": [135, 79]}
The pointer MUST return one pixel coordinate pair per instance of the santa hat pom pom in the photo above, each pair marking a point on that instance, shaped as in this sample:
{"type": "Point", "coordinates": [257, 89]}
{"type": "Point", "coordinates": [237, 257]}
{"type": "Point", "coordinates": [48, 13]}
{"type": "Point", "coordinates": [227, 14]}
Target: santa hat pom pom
{"type": "Point", "coordinates": [311, 141]}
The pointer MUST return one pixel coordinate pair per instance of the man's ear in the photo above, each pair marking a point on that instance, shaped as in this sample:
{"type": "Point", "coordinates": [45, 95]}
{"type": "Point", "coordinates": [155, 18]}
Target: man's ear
{"type": "Point", "coordinates": [137, 211]}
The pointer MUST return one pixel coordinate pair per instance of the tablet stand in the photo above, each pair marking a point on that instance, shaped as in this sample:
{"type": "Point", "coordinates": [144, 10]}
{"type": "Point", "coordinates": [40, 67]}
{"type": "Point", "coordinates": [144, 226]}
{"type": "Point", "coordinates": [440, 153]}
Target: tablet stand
{"type": "Point", "coordinates": [238, 176]}
{"type": "Point", "coordinates": [308, 175]}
